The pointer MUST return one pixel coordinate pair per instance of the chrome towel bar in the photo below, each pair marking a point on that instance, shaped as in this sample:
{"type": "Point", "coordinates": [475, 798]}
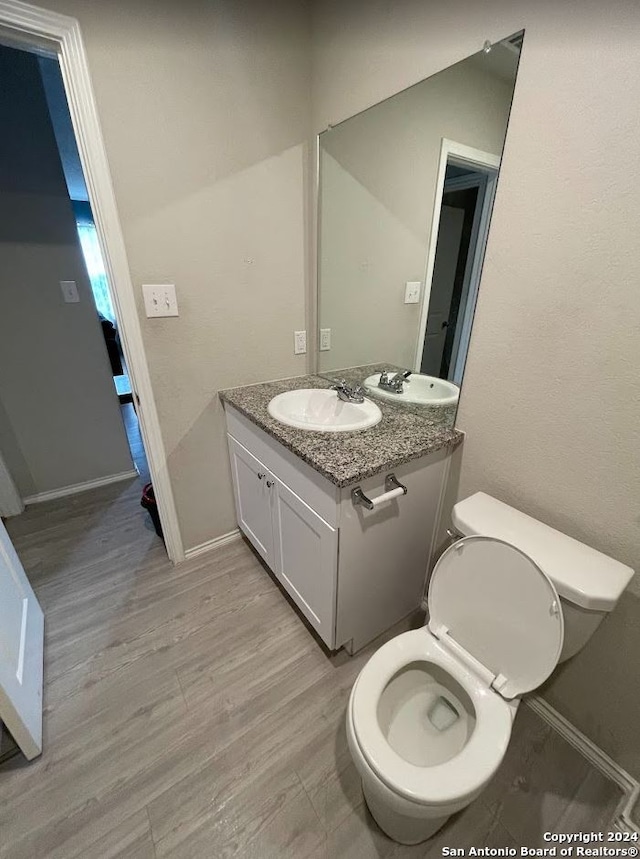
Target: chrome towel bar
{"type": "Point", "coordinates": [393, 487]}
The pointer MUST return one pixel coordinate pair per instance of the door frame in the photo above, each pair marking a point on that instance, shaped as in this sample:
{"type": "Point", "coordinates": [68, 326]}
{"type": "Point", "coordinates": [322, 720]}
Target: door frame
{"type": "Point", "coordinates": [32, 28]}
{"type": "Point", "coordinates": [461, 155]}
{"type": "Point", "coordinates": [471, 280]}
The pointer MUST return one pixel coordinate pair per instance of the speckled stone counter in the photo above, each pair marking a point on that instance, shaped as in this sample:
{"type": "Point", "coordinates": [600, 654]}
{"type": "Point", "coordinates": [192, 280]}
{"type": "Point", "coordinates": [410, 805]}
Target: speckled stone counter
{"type": "Point", "coordinates": [345, 458]}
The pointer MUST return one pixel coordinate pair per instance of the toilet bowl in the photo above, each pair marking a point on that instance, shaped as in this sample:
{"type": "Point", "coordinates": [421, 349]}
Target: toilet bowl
{"type": "Point", "coordinates": [430, 714]}
{"type": "Point", "coordinates": [395, 742]}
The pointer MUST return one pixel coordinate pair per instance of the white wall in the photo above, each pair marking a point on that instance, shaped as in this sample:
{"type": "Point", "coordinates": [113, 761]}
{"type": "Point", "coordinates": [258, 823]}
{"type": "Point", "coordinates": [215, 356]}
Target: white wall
{"type": "Point", "coordinates": [378, 183]}
{"type": "Point", "coordinates": [204, 110]}
{"type": "Point", "coordinates": [60, 421]}
{"type": "Point", "coordinates": [557, 319]}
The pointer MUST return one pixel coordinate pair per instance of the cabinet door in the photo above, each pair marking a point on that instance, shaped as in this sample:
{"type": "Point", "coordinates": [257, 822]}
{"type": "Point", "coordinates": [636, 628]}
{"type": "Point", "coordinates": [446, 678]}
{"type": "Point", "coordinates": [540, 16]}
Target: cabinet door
{"type": "Point", "coordinates": [306, 557]}
{"type": "Point", "coordinates": [254, 499]}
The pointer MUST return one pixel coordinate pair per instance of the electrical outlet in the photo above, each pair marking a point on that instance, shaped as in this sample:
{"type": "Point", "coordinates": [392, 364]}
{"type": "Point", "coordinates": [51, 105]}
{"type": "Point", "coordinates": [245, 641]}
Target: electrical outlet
{"type": "Point", "coordinates": [299, 342]}
{"type": "Point", "coordinates": [69, 291]}
{"type": "Point", "coordinates": [325, 339]}
{"type": "Point", "coordinates": [160, 299]}
{"type": "Point", "coordinates": [412, 291]}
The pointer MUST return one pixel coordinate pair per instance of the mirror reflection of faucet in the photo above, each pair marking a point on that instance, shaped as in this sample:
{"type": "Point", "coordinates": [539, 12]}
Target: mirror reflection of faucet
{"type": "Point", "coordinates": [395, 383]}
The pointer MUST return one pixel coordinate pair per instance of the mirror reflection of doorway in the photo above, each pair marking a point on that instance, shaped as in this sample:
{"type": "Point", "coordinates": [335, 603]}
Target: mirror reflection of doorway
{"type": "Point", "coordinates": [462, 227]}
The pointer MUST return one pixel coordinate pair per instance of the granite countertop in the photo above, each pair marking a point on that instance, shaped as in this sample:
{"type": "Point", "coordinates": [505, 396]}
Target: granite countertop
{"type": "Point", "coordinates": [346, 458]}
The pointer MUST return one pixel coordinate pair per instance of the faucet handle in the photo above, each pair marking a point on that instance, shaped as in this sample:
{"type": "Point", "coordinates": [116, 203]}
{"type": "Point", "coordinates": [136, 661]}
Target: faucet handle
{"type": "Point", "coordinates": [402, 374]}
{"type": "Point", "coordinates": [348, 394]}
{"type": "Point", "coordinates": [356, 394]}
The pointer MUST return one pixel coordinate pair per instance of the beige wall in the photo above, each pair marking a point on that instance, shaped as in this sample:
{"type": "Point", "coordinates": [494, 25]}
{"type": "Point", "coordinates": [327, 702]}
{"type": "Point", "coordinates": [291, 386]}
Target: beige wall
{"type": "Point", "coordinates": [550, 398]}
{"type": "Point", "coordinates": [60, 421]}
{"type": "Point", "coordinates": [378, 183]}
{"type": "Point", "coordinates": [204, 110]}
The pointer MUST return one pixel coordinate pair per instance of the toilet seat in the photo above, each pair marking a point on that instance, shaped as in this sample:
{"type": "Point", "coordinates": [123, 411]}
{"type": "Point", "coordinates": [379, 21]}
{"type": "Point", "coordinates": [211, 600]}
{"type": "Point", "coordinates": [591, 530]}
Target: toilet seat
{"type": "Point", "coordinates": [496, 628]}
{"type": "Point", "coordinates": [498, 611]}
{"type": "Point", "coordinates": [472, 767]}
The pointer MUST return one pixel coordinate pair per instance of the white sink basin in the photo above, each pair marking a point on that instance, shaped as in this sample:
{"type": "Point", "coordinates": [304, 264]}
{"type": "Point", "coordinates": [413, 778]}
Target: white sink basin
{"type": "Point", "coordinates": [418, 389]}
{"type": "Point", "coordinates": [321, 410]}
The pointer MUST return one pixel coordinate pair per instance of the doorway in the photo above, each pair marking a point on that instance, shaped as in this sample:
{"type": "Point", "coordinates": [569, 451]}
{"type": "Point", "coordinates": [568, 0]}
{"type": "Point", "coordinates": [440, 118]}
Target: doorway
{"type": "Point", "coordinates": [62, 430]}
{"type": "Point", "coordinates": [464, 198]}
{"type": "Point", "coordinates": [59, 409]}
{"type": "Point", "coordinates": [60, 117]}
{"type": "Point", "coordinates": [57, 36]}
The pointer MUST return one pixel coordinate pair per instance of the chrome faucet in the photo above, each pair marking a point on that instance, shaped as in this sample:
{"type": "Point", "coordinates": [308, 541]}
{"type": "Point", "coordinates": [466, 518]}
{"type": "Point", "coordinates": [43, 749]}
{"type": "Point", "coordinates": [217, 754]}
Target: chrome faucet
{"type": "Point", "coordinates": [348, 394]}
{"type": "Point", "coordinates": [395, 383]}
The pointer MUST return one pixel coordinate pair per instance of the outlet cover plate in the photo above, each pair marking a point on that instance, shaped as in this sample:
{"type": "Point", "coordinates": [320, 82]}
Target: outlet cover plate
{"type": "Point", "coordinates": [299, 342]}
{"type": "Point", "coordinates": [412, 291]}
{"type": "Point", "coordinates": [325, 339]}
{"type": "Point", "coordinates": [69, 291]}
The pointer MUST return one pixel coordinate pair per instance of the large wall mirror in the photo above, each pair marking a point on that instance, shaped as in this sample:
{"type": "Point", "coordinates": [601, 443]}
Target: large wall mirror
{"type": "Point", "coordinates": [405, 197]}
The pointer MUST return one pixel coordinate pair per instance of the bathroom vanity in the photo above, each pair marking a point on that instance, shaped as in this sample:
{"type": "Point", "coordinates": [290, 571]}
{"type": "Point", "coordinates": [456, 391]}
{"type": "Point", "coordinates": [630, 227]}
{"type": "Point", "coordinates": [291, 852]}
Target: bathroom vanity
{"type": "Point", "coordinates": [301, 500]}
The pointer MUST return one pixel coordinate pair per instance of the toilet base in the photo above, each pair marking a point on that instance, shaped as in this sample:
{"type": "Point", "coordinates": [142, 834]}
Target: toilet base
{"type": "Point", "coordinates": [401, 827]}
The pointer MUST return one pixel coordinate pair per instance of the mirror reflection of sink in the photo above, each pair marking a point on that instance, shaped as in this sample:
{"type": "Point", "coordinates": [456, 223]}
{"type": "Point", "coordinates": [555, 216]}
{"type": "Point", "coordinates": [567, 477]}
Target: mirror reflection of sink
{"type": "Point", "coordinates": [322, 411]}
{"type": "Point", "coordinates": [417, 389]}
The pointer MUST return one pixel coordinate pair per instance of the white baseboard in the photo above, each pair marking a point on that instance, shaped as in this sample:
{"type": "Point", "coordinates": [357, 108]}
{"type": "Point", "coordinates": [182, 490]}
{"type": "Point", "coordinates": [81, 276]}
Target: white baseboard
{"type": "Point", "coordinates": [203, 548]}
{"type": "Point", "coordinates": [594, 754]}
{"type": "Point", "coordinates": [52, 494]}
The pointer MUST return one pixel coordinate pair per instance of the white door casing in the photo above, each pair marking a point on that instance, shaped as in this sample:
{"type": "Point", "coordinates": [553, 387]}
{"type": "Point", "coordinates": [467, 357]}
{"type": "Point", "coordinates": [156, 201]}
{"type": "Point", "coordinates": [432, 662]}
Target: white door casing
{"type": "Point", "coordinates": [21, 652]}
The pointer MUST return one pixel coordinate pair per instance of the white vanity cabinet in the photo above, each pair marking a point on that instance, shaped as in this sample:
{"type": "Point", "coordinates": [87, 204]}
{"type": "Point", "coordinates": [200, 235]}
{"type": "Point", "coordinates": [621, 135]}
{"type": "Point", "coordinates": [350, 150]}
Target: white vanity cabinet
{"type": "Point", "coordinates": [297, 544]}
{"type": "Point", "coordinates": [352, 572]}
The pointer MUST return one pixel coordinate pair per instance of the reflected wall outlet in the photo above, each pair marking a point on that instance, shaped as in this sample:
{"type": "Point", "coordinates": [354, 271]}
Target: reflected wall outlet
{"type": "Point", "coordinates": [160, 299]}
{"type": "Point", "coordinates": [69, 291]}
{"type": "Point", "coordinates": [412, 291]}
{"type": "Point", "coordinates": [299, 342]}
{"type": "Point", "coordinates": [325, 339]}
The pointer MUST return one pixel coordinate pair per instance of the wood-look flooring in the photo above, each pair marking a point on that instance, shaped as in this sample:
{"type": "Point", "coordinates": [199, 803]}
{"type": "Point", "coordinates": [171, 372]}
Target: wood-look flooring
{"type": "Point", "coordinates": [190, 713]}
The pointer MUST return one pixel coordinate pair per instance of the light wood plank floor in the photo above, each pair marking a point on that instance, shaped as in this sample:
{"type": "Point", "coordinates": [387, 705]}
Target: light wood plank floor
{"type": "Point", "coordinates": [190, 713]}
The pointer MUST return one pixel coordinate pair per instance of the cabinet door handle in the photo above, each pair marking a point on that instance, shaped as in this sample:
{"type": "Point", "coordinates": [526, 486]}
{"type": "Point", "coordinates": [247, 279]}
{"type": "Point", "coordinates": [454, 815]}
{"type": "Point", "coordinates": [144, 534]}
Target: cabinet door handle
{"type": "Point", "coordinates": [260, 476]}
{"type": "Point", "coordinates": [269, 483]}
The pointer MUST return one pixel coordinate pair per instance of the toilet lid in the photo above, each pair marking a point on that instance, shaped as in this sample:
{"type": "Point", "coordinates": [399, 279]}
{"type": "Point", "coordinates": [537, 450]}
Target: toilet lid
{"type": "Point", "coordinates": [498, 605]}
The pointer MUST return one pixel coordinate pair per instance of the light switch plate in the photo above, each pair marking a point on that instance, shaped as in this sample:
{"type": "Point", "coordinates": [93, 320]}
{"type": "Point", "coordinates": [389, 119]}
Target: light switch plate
{"type": "Point", "coordinates": [69, 291]}
{"type": "Point", "coordinates": [160, 299]}
{"type": "Point", "coordinates": [412, 291]}
{"type": "Point", "coordinates": [325, 339]}
{"type": "Point", "coordinates": [299, 342]}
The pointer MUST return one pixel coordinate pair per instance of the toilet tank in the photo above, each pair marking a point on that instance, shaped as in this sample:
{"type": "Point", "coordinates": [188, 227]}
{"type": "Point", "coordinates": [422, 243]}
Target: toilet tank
{"type": "Point", "coordinates": [589, 583]}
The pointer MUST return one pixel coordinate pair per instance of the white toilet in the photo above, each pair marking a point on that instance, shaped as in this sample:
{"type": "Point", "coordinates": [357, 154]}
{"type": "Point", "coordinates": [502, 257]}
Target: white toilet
{"type": "Point", "coordinates": [430, 714]}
